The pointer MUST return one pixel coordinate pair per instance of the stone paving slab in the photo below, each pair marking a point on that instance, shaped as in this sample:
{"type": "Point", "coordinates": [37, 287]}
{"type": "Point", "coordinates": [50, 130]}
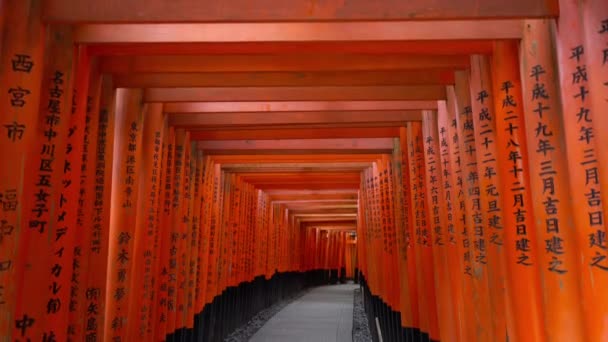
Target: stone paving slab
{"type": "Point", "coordinates": [324, 314]}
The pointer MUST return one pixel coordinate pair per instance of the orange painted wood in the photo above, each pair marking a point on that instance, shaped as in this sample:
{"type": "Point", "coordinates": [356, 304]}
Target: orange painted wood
{"type": "Point", "coordinates": [295, 106]}
{"type": "Point", "coordinates": [370, 31]}
{"type": "Point", "coordinates": [583, 165]}
{"type": "Point", "coordinates": [409, 233]}
{"type": "Point", "coordinates": [215, 11]}
{"type": "Point", "coordinates": [246, 120]}
{"type": "Point", "coordinates": [463, 246]}
{"type": "Point", "coordinates": [165, 275]}
{"type": "Point", "coordinates": [367, 144]}
{"type": "Point", "coordinates": [549, 185]}
{"type": "Point", "coordinates": [474, 220]}
{"type": "Point", "coordinates": [293, 79]}
{"type": "Point", "coordinates": [436, 212]}
{"type": "Point", "coordinates": [424, 257]}
{"type": "Point", "coordinates": [594, 16]}
{"type": "Point", "coordinates": [126, 175]}
{"type": "Point", "coordinates": [452, 215]}
{"type": "Point", "coordinates": [184, 219]}
{"type": "Point", "coordinates": [80, 267]}
{"type": "Point", "coordinates": [21, 68]}
{"type": "Point", "coordinates": [346, 93]}
{"type": "Point", "coordinates": [276, 62]}
{"type": "Point", "coordinates": [439, 47]}
{"type": "Point", "coordinates": [146, 225]}
{"type": "Point", "coordinates": [99, 221]}
{"type": "Point", "coordinates": [482, 108]}
{"type": "Point", "coordinates": [194, 240]}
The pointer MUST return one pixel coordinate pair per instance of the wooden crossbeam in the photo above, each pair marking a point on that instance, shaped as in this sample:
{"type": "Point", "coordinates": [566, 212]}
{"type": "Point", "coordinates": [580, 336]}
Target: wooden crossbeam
{"type": "Point", "coordinates": [436, 47]}
{"type": "Point", "coordinates": [362, 93]}
{"type": "Point", "coordinates": [299, 32]}
{"type": "Point", "coordinates": [296, 158]}
{"type": "Point", "coordinates": [158, 11]}
{"type": "Point", "coordinates": [292, 118]}
{"type": "Point", "coordinates": [294, 106]}
{"type": "Point", "coordinates": [275, 79]}
{"type": "Point", "coordinates": [300, 146]}
{"type": "Point", "coordinates": [277, 62]}
{"type": "Point", "coordinates": [302, 133]}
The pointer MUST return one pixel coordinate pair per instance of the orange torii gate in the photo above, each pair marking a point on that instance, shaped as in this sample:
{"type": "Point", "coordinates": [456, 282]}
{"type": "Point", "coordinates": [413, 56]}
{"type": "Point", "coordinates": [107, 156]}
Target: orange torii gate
{"type": "Point", "coordinates": [169, 169]}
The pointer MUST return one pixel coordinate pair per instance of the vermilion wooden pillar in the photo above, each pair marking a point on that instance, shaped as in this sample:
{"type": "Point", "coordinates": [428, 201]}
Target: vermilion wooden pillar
{"type": "Point", "coordinates": [126, 175]}
{"type": "Point", "coordinates": [86, 185]}
{"type": "Point", "coordinates": [521, 249]}
{"type": "Point", "coordinates": [146, 226]}
{"type": "Point", "coordinates": [549, 185]}
{"type": "Point", "coordinates": [594, 16]}
{"type": "Point", "coordinates": [96, 299]}
{"type": "Point", "coordinates": [452, 217]}
{"type": "Point", "coordinates": [21, 74]}
{"type": "Point", "coordinates": [463, 246]}
{"type": "Point", "coordinates": [583, 166]}
{"type": "Point", "coordinates": [424, 256]}
{"type": "Point", "coordinates": [476, 230]}
{"type": "Point", "coordinates": [435, 198]}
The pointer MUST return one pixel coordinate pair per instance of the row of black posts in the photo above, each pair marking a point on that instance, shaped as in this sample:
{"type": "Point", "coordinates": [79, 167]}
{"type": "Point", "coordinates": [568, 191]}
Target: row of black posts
{"type": "Point", "coordinates": [238, 304]}
{"type": "Point", "coordinates": [389, 320]}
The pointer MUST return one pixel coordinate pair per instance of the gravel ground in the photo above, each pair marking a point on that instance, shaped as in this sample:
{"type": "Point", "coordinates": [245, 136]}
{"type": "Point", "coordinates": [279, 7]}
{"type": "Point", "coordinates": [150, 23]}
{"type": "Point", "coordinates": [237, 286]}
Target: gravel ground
{"type": "Point", "coordinates": [361, 332]}
{"type": "Point", "coordinates": [245, 332]}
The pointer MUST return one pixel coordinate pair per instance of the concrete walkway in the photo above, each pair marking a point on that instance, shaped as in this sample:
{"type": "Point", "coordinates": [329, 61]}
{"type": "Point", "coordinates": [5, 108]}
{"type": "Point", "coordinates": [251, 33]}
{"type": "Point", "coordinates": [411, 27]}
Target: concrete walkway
{"type": "Point", "coordinates": [325, 314]}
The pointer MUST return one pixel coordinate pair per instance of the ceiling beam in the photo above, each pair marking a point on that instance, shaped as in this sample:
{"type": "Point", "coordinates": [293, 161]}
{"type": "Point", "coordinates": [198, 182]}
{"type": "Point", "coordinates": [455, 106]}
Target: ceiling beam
{"type": "Point", "coordinates": [277, 62]}
{"type": "Point", "coordinates": [296, 158]}
{"type": "Point", "coordinates": [294, 106]}
{"type": "Point", "coordinates": [155, 11]}
{"type": "Point", "coordinates": [433, 47]}
{"type": "Point", "coordinates": [302, 133]}
{"type": "Point", "coordinates": [291, 118]}
{"type": "Point", "coordinates": [363, 93]}
{"type": "Point", "coordinates": [381, 144]}
{"type": "Point", "coordinates": [299, 32]}
{"type": "Point", "coordinates": [274, 79]}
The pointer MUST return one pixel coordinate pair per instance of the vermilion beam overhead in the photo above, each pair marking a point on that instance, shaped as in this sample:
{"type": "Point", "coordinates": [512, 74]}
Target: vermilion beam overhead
{"type": "Point", "coordinates": [295, 106]}
{"type": "Point", "coordinates": [292, 118]}
{"type": "Point", "coordinates": [362, 93]}
{"type": "Point", "coordinates": [299, 32]}
{"type": "Point", "coordinates": [150, 11]}
{"type": "Point", "coordinates": [296, 158]}
{"type": "Point", "coordinates": [277, 62]}
{"type": "Point", "coordinates": [274, 79]}
{"type": "Point", "coordinates": [295, 167]}
{"type": "Point", "coordinates": [380, 144]}
{"type": "Point", "coordinates": [436, 47]}
{"type": "Point", "coordinates": [319, 133]}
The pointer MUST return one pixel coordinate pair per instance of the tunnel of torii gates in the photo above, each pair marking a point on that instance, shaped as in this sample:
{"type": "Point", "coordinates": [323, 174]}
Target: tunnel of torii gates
{"type": "Point", "coordinates": [169, 168]}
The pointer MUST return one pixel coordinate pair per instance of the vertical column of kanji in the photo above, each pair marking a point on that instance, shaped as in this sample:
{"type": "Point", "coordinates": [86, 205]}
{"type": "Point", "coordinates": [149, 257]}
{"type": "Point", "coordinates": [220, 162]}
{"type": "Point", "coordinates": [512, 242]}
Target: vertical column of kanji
{"type": "Point", "coordinates": [473, 208]}
{"type": "Point", "coordinates": [146, 221]}
{"type": "Point", "coordinates": [585, 177]}
{"type": "Point", "coordinates": [99, 219]}
{"type": "Point", "coordinates": [436, 204]}
{"type": "Point", "coordinates": [549, 184]}
{"type": "Point", "coordinates": [175, 226]}
{"type": "Point", "coordinates": [76, 329]}
{"type": "Point", "coordinates": [393, 249]}
{"type": "Point", "coordinates": [21, 71]}
{"type": "Point", "coordinates": [165, 230]}
{"type": "Point", "coordinates": [595, 30]}
{"type": "Point", "coordinates": [375, 282]}
{"type": "Point", "coordinates": [453, 255]}
{"type": "Point", "coordinates": [157, 276]}
{"type": "Point", "coordinates": [64, 234]}
{"type": "Point", "coordinates": [424, 252]}
{"type": "Point", "coordinates": [214, 234]}
{"type": "Point", "coordinates": [184, 245]}
{"type": "Point", "coordinates": [205, 215]}
{"type": "Point", "coordinates": [482, 107]}
{"type": "Point", "coordinates": [125, 179]}
{"type": "Point", "coordinates": [384, 283]}
{"type": "Point", "coordinates": [197, 169]}
{"type": "Point", "coordinates": [408, 227]}
{"type": "Point", "coordinates": [520, 239]}
{"type": "Point", "coordinates": [463, 246]}
{"type": "Point", "coordinates": [401, 205]}
{"type": "Point", "coordinates": [31, 234]}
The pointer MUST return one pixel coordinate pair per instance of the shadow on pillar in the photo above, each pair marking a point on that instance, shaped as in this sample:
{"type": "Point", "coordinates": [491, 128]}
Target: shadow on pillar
{"type": "Point", "coordinates": [388, 320]}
